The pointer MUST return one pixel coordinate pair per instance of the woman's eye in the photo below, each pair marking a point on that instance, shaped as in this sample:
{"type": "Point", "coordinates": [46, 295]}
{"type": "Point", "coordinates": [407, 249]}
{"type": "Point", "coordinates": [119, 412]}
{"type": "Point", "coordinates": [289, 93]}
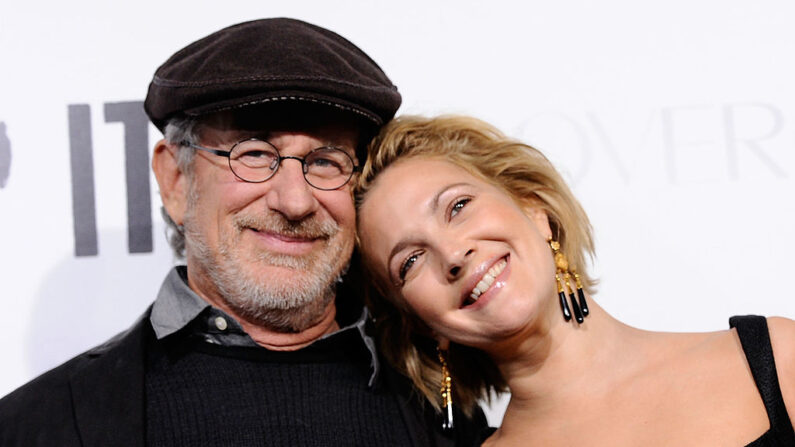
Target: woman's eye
{"type": "Point", "coordinates": [459, 205]}
{"type": "Point", "coordinates": [404, 268]}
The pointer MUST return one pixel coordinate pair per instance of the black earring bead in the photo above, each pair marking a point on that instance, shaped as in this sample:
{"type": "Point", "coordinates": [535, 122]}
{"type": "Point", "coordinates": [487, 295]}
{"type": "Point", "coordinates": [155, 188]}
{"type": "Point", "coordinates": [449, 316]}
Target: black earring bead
{"type": "Point", "coordinates": [576, 307]}
{"type": "Point", "coordinates": [564, 306]}
{"type": "Point", "coordinates": [581, 295]}
{"type": "Point", "coordinates": [583, 303]}
{"type": "Point", "coordinates": [447, 418]}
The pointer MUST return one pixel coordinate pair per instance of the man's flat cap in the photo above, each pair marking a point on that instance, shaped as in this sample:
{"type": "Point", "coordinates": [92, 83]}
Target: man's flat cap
{"type": "Point", "coordinates": [271, 62]}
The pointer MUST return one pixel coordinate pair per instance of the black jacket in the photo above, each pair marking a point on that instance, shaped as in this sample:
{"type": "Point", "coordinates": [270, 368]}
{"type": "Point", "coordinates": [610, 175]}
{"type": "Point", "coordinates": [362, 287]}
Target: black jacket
{"type": "Point", "coordinates": [97, 399]}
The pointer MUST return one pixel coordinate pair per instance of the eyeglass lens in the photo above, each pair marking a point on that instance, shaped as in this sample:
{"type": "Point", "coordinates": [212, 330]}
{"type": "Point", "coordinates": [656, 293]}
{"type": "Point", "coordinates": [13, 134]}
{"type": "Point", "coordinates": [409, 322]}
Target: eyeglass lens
{"type": "Point", "coordinates": [323, 168]}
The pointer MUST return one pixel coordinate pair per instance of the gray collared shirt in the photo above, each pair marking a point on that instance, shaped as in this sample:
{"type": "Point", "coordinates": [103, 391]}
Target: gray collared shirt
{"type": "Point", "coordinates": [177, 305]}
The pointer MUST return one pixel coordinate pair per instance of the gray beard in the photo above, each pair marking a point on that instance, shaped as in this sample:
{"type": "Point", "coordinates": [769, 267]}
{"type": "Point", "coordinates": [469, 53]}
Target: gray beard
{"type": "Point", "coordinates": [289, 306]}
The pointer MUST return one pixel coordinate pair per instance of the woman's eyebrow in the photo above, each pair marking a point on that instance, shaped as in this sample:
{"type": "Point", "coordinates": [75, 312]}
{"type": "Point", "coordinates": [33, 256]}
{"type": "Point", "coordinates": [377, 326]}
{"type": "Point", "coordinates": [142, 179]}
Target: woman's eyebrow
{"type": "Point", "coordinates": [434, 205]}
{"type": "Point", "coordinates": [400, 246]}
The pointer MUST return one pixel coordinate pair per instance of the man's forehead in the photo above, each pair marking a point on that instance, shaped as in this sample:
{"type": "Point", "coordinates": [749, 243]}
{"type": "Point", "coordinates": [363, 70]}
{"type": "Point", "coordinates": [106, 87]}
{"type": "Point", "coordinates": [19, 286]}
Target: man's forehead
{"type": "Point", "coordinates": [338, 128]}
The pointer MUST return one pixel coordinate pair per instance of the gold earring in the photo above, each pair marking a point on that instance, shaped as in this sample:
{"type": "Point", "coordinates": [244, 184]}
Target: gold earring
{"type": "Point", "coordinates": [446, 390]}
{"type": "Point", "coordinates": [563, 277]}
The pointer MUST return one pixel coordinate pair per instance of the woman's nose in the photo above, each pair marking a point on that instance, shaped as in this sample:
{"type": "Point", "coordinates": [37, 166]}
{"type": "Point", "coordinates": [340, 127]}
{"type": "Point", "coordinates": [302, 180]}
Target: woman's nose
{"type": "Point", "coordinates": [456, 262]}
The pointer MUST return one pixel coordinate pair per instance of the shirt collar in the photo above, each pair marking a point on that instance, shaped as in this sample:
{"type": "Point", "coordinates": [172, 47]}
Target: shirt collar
{"type": "Point", "coordinates": [176, 306]}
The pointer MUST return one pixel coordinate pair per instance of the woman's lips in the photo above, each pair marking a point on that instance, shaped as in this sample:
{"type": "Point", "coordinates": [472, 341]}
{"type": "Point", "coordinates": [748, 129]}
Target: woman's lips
{"type": "Point", "coordinates": [486, 282]}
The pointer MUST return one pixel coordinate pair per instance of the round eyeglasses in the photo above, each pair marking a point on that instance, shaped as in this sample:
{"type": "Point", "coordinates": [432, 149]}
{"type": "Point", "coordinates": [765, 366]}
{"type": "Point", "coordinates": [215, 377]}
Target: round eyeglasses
{"type": "Point", "coordinates": [255, 161]}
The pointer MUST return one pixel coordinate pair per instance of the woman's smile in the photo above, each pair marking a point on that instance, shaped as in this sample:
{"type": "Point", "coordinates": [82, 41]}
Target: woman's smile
{"type": "Point", "coordinates": [486, 281]}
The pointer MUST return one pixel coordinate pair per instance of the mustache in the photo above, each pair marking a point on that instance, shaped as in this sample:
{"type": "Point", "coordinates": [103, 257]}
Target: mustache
{"type": "Point", "coordinates": [309, 228]}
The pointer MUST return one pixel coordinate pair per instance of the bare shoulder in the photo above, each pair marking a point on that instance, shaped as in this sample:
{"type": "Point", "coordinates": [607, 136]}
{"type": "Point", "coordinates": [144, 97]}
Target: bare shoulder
{"type": "Point", "coordinates": [782, 338]}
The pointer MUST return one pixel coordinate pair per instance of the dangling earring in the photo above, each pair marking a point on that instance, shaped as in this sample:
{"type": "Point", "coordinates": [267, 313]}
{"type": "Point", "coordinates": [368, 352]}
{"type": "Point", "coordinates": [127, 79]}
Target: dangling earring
{"type": "Point", "coordinates": [563, 278]}
{"type": "Point", "coordinates": [446, 390]}
{"type": "Point", "coordinates": [581, 294]}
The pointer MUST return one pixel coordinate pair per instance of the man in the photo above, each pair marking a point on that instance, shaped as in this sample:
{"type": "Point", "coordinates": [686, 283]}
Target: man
{"type": "Point", "coordinates": [257, 340]}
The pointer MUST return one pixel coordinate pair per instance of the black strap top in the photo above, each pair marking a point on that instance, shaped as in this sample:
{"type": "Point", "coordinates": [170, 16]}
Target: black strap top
{"type": "Point", "coordinates": [755, 339]}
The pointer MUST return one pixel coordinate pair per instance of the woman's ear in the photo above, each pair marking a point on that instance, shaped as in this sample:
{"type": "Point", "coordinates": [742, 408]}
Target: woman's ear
{"type": "Point", "coordinates": [538, 215]}
{"type": "Point", "coordinates": [444, 343]}
{"type": "Point", "coordinates": [173, 183]}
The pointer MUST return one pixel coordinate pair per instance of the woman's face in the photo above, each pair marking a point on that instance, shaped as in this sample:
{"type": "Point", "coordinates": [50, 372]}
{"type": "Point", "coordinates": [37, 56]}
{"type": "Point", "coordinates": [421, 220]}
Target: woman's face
{"type": "Point", "coordinates": [464, 256]}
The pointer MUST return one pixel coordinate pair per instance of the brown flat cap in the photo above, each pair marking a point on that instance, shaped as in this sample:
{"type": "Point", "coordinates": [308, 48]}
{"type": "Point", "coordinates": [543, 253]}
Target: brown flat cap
{"type": "Point", "coordinates": [271, 61]}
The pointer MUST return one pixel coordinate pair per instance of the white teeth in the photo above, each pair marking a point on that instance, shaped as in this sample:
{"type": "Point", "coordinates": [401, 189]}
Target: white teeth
{"type": "Point", "coordinates": [488, 279]}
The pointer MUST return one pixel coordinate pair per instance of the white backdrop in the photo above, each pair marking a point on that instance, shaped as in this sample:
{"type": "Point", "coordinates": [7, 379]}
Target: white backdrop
{"type": "Point", "coordinates": [672, 120]}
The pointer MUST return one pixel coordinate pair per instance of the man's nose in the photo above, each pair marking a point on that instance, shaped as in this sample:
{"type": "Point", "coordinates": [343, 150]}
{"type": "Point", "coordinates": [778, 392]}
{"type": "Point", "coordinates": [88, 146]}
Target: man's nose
{"type": "Point", "coordinates": [288, 192]}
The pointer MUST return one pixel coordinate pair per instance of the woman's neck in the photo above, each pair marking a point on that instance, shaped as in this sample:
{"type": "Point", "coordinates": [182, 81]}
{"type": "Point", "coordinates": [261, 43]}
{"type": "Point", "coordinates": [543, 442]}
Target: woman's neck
{"type": "Point", "coordinates": [557, 363]}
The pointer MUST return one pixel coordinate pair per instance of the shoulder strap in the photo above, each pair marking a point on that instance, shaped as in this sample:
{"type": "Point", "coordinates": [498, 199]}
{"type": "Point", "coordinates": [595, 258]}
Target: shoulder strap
{"type": "Point", "coordinates": [755, 340]}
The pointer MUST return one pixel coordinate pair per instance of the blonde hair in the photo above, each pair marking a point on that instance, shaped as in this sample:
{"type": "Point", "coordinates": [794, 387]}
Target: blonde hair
{"type": "Point", "coordinates": [518, 169]}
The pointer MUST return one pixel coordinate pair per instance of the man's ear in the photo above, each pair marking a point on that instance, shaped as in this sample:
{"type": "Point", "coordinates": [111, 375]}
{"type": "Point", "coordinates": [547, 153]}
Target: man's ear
{"type": "Point", "coordinates": [172, 181]}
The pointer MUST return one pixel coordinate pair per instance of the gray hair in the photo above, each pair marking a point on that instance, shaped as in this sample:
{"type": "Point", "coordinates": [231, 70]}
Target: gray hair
{"type": "Point", "coordinates": [177, 131]}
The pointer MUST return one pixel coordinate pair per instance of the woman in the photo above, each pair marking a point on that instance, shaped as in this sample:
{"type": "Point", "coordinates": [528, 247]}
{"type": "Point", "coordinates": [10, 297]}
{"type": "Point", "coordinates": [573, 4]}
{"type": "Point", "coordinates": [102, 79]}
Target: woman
{"type": "Point", "coordinates": [478, 249]}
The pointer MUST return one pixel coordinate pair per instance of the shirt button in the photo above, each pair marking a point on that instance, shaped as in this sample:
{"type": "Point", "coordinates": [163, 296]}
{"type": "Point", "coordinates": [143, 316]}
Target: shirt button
{"type": "Point", "coordinates": [220, 323]}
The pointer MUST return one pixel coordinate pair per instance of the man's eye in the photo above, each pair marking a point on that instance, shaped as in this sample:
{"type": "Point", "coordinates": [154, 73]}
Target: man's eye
{"type": "Point", "coordinates": [459, 205]}
{"type": "Point", "coordinates": [324, 164]}
{"type": "Point", "coordinates": [256, 154]}
{"type": "Point", "coordinates": [404, 268]}
{"type": "Point", "coordinates": [256, 158]}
